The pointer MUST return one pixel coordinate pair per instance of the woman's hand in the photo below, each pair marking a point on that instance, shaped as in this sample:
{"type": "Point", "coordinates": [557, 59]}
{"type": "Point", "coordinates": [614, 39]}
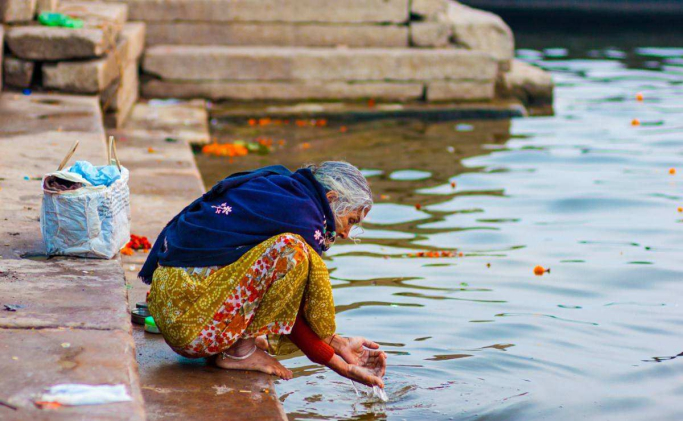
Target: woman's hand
{"type": "Point", "coordinates": [357, 373]}
{"type": "Point", "coordinates": [361, 352]}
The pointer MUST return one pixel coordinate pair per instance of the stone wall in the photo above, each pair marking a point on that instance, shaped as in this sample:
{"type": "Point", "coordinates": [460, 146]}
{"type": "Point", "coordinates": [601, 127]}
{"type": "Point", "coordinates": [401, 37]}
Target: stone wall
{"type": "Point", "coordinates": [102, 58]}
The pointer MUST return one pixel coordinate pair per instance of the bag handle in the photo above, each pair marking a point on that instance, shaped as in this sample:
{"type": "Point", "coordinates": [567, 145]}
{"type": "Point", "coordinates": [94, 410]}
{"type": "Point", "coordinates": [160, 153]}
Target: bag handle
{"type": "Point", "coordinates": [110, 149]}
{"type": "Point", "coordinates": [68, 156]}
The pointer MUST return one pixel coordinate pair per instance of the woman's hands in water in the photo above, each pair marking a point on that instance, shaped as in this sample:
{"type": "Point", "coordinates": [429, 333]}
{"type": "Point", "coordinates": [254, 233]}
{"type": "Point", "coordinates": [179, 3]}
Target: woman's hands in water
{"type": "Point", "coordinates": [361, 352]}
{"type": "Point", "coordinates": [360, 374]}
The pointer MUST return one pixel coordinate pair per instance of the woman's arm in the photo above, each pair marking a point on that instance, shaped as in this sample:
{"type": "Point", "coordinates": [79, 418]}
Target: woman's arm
{"type": "Point", "coordinates": [320, 352]}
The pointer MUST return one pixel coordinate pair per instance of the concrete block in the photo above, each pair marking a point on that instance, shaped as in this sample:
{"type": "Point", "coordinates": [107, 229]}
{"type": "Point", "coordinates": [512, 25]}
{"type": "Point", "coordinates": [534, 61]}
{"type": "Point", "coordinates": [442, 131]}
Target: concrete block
{"type": "Point", "coordinates": [93, 76]}
{"type": "Point", "coordinates": [12, 11]}
{"type": "Point", "coordinates": [276, 34]}
{"type": "Point", "coordinates": [460, 91]}
{"type": "Point", "coordinates": [17, 72]}
{"type": "Point", "coordinates": [347, 11]}
{"type": "Point", "coordinates": [428, 9]}
{"type": "Point", "coordinates": [282, 91]}
{"type": "Point", "coordinates": [121, 90]}
{"type": "Point", "coordinates": [481, 31]}
{"type": "Point", "coordinates": [291, 63]}
{"type": "Point", "coordinates": [532, 85]}
{"type": "Point", "coordinates": [47, 6]}
{"type": "Point", "coordinates": [430, 34]}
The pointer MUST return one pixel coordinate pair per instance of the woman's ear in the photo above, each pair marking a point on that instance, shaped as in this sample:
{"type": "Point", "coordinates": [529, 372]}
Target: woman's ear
{"type": "Point", "coordinates": [332, 196]}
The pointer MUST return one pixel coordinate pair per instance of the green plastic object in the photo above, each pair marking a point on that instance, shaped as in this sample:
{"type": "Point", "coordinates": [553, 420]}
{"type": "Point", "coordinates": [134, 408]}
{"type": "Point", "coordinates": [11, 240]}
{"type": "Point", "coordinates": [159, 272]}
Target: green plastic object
{"type": "Point", "coordinates": [150, 325]}
{"type": "Point", "coordinates": [60, 20]}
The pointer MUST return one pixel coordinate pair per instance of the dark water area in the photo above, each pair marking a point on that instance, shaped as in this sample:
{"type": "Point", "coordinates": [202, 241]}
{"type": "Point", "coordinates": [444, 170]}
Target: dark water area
{"type": "Point", "coordinates": [584, 193]}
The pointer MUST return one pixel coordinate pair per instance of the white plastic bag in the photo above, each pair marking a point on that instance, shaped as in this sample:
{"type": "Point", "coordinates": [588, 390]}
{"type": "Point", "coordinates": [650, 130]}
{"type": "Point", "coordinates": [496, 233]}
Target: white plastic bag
{"type": "Point", "coordinates": [91, 221]}
{"type": "Point", "coordinates": [85, 394]}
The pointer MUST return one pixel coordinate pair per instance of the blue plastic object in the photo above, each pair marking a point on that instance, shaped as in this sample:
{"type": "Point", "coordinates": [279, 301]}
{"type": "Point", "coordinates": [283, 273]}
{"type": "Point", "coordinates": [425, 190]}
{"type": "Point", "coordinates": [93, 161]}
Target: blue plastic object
{"type": "Point", "coordinates": [98, 176]}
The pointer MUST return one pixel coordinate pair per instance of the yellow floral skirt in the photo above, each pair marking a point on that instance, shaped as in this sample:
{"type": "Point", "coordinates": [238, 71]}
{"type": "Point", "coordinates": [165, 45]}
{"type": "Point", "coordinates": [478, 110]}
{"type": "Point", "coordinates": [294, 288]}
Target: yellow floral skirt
{"type": "Point", "coordinates": [204, 311]}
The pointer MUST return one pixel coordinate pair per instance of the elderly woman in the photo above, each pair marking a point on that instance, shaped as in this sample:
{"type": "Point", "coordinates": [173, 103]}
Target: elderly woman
{"type": "Point", "coordinates": [238, 272]}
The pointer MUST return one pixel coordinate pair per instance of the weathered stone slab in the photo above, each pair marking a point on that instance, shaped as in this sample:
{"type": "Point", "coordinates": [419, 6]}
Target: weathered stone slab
{"type": "Point", "coordinates": [47, 43]}
{"type": "Point", "coordinates": [12, 11]}
{"type": "Point", "coordinates": [358, 64]}
{"type": "Point", "coordinates": [64, 292]}
{"type": "Point", "coordinates": [532, 85]}
{"type": "Point", "coordinates": [460, 91]}
{"type": "Point", "coordinates": [347, 11]}
{"type": "Point", "coordinates": [17, 73]}
{"type": "Point", "coordinates": [102, 24]}
{"type": "Point", "coordinates": [430, 34]}
{"type": "Point", "coordinates": [33, 360]}
{"type": "Point", "coordinates": [482, 31]}
{"type": "Point", "coordinates": [280, 34]}
{"type": "Point", "coordinates": [47, 6]}
{"type": "Point", "coordinates": [93, 76]}
{"type": "Point", "coordinates": [282, 91]}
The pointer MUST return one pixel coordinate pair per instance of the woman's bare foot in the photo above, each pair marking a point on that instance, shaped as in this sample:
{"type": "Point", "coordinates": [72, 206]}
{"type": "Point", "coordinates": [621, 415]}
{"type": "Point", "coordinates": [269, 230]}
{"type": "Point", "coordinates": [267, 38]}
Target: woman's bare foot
{"type": "Point", "coordinates": [258, 361]}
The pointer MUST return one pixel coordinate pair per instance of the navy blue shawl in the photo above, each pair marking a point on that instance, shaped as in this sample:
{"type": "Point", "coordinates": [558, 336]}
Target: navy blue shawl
{"type": "Point", "coordinates": [240, 212]}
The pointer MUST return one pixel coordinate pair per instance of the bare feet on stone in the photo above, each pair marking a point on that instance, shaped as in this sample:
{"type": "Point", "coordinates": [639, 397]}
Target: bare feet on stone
{"type": "Point", "coordinates": [258, 361]}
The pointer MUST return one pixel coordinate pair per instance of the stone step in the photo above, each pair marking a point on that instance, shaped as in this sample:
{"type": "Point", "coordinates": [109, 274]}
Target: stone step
{"type": "Point", "coordinates": [347, 11]}
{"type": "Point", "coordinates": [436, 91]}
{"type": "Point", "coordinates": [276, 34]}
{"type": "Point", "coordinates": [93, 76]}
{"type": "Point", "coordinates": [213, 63]}
{"type": "Point", "coordinates": [283, 91]}
{"type": "Point", "coordinates": [102, 25]}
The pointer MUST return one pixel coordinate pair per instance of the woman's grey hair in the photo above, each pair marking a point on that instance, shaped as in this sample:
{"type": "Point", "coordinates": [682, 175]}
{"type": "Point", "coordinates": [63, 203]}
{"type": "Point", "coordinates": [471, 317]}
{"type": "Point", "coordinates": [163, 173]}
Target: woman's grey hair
{"type": "Point", "coordinates": [349, 183]}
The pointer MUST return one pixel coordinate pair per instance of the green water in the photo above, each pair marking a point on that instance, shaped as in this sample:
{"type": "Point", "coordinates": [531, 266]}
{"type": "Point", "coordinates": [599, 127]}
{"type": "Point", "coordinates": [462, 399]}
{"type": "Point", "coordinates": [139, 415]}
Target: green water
{"type": "Point", "coordinates": [583, 193]}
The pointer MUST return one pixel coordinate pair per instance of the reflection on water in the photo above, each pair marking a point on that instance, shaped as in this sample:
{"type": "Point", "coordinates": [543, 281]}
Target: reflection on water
{"type": "Point", "coordinates": [583, 192]}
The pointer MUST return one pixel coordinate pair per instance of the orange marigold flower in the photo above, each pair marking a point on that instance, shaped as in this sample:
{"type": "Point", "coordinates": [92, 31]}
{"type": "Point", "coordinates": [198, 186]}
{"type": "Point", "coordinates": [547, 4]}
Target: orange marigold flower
{"type": "Point", "coordinates": [418, 206]}
{"type": "Point", "coordinates": [635, 122]}
{"type": "Point", "coordinates": [540, 270]}
{"type": "Point", "coordinates": [639, 96]}
{"type": "Point", "coordinates": [127, 251]}
{"type": "Point", "coordinates": [672, 171]}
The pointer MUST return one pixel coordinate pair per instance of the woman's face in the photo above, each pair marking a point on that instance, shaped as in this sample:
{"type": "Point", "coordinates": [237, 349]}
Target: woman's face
{"type": "Point", "coordinates": [346, 222]}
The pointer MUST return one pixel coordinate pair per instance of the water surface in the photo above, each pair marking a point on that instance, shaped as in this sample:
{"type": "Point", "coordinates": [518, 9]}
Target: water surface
{"type": "Point", "coordinates": [584, 193]}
